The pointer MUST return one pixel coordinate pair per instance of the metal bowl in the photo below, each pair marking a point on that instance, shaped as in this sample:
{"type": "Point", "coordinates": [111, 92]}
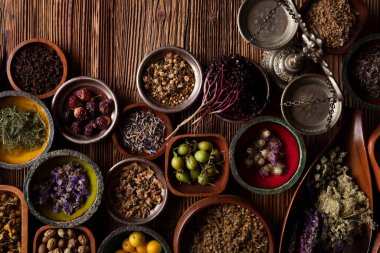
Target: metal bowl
{"type": "Point", "coordinates": [112, 176]}
{"type": "Point", "coordinates": [160, 53]}
{"type": "Point", "coordinates": [279, 30]}
{"type": "Point", "coordinates": [27, 101]}
{"type": "Point", "coordinates": [58, 105]}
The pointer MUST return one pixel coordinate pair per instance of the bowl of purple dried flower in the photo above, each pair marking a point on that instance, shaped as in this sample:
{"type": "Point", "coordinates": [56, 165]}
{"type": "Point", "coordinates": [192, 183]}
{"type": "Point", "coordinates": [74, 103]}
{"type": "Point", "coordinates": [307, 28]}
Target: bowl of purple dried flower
{"type": "Point", "coordinates": [64, 188]}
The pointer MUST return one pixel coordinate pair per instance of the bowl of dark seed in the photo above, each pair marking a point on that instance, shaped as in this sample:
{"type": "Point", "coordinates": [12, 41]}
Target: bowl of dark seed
{"type": "Point", "coordinates": [37, 66]}
{"type": "Point", "coordinates": [136, 191]}
{"type": "Point", "coordinates": [169, 79]}
{"type": "Point", "coordinates": [223, 223]}
{"type": "Point", "coordinates": [141, 132]}
{"type": "Point", "coordinates": [361, 71]}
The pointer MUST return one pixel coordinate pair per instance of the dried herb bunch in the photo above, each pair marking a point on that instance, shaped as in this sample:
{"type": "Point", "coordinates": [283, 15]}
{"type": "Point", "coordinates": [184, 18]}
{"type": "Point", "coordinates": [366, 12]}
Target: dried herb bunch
{"type": "Point", "coordinates": [366, 70]}
{"type": "Point", "coordinates": [334, 20]}
{"type": "Point", "coordinates": [21, 129]}
{"type": "Point", "coordinates": [10, 223]}
{"type": "Point", "coordinates": [37, 68]}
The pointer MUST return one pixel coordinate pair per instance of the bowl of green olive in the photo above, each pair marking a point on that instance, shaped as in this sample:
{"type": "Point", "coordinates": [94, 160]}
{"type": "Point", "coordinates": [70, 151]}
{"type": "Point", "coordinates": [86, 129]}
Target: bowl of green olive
{"type": "Point", "coordinates": [197, 165]}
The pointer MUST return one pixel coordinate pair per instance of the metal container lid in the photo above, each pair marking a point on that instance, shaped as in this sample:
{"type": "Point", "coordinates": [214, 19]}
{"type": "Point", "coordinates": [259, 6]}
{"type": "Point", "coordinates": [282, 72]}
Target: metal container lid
{"type": "Point", "coordinates": [309, 118]}
{"type": "Point", "coordinates": [278, 31]}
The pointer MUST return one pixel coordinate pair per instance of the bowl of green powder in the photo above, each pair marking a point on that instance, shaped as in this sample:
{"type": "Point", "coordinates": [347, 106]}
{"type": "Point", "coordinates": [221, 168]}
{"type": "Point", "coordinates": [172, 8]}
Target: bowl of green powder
{"type": "Point", "coordinates": [26, 129]}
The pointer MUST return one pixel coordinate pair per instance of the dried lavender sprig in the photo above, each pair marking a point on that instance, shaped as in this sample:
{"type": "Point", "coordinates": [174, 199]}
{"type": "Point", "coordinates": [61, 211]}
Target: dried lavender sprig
{"type": "Point", "coordinates": [309, 236]}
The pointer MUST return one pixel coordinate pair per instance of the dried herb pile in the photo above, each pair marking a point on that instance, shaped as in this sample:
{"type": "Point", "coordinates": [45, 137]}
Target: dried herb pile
{"type": "Point", "coordinates": [62, 240]}
{"type": "Point", "coordinates": [36, 68]}
{"type": "Point", "coordinates": [339, 209]}
{"type": "Point", "coordinates": [21, 129]}
{"type": "Point", "coordinates": [10, 223]}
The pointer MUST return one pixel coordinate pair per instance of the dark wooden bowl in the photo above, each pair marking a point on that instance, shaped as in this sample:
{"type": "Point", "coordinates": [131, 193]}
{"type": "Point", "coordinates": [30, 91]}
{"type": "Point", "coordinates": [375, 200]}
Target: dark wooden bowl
{"type": "Point", "coordinates": [362, 15]}
{"type": "Point", "coordinates": [49, 44]}
{"type": "Point", "coordinates": [350, 138]}
{"type": "Point", "coordinates": [195, 189]}
{"type": "Point", "coordinates": [376, 243]}
{"type": "Point", "coordinates": [24, 214]}
{"type": "Point", "coordinates": [40, 232]}
{"type": "Point", "coordinates": [373, 149]}
{"type": "Point", "coordinates": [116, 138]}
{"type": "Point", "coordinates": [188, 216]}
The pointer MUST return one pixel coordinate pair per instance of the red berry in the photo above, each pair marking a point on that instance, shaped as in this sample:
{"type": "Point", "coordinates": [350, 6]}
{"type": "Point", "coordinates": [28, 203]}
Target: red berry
{"type": "Point", "coordinates": [92, 107]}
{"type": "Point", "coordinates": [90, 129]}
{"type": "Point", "coordinates": [106, 106]}
{"type": "Point", "coordinates": [73, 102]}
{"type": "Point", "coordinates": [102, 122]}
{"type": "Point", "coordinates": [76, 128]}
{"type": "Point", "coordinates": [84, 94]}
{"type": "Point", "coordinates": [81, 114]}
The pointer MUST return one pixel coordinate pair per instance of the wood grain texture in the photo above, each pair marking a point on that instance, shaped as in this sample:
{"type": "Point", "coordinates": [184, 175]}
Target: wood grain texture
{"type": "Point", "coordinates": [107, 39]}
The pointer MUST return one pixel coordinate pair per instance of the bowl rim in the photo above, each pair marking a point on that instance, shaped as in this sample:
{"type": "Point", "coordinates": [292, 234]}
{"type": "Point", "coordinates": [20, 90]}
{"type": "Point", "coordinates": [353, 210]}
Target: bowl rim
{"type": "Point", "coordinates": [348, 57]}
{"type": "Point", "coordinates": [132, 228]}
{"type": "Point", "coordinates": [87, 214]}
{"type": "Point", "coordinates": [200, 205]}
{"type": "Point", "coordinates": [301, 163]}
{"type": "Point", "coordinates": [157, 170]}
{"type": "Point", "coordinates": [53, 46]}
{"type": "Point", "coordinates": [197, 70]}
{"type": "Point", "coordinates": [168, 130]}
{"type": "Point", "coordinates": [19, 93]}
{"type": "Point", "coordinates": [226, 166]}
{"type": "Point", "coordinates": [56, 103]}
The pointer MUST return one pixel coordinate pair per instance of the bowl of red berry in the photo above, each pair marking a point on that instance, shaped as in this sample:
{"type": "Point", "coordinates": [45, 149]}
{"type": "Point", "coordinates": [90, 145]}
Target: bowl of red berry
{"type": "Point", "coordinates": [85, 110]}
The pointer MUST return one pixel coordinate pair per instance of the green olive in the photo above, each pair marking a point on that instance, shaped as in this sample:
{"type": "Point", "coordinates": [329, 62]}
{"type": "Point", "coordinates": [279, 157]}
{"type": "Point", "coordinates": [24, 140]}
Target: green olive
{"type": "Point", "coordinates": [203, 179]}
{"type": "Point", "coordinates": [211, 170]}
{"type": "Point", "coordinates": [194, 174]}
{"type": "Point", "coordinates": [183, 149]}
{"type": "Point", "coordinates": [183, 177]}
{"type": "Point", "coordinates": [215, 153]}
{"type": "Point", "coordinates": [205, 145]}
{"type": "Point", "coordinates": [177, 163]}
{"type": "Point", "coordinates": [191, 163]}
{"type": "Point", "coordinates": [202, 156]}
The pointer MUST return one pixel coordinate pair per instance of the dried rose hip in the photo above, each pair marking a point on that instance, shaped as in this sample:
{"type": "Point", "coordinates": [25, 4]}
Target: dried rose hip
{"type": "Point", "coordinates": [81, 114]}
{"type": "Point", "coordinates": [102, 122]}
{"type": "Point", "coordinates": [73, 102]}
{"type": "Point", "coordinates": [92, 107]}
{"type": "Point", "coordinates": [84, 94]}
{"type": "Point", "coordinates": [68, 116]}
{"type": "Point", "coordinates": [106, 106]}
{"type": "Point", "coordinates": [90, 129]}
{"type": "Point", "coordinates": [76, 128]}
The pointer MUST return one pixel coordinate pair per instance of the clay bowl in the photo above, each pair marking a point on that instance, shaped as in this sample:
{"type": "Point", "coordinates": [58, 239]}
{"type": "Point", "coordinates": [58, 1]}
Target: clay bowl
{"type": "Point", "coordinates": [376, 244]}
{"type": "Point", "coordinates": [48, 44]}
{"type": "Point", "coordinates": [40, 233]}
{"type": "Point", "coordinates": [19, 159]}
{"type": "Point", "coordinates": [113, 175]}
{"type": "Point", "coordinates": [373, 151]}
{"type": "Point", "coordinates": [362, 15]}
{"type": "Point", "coordinates": [350, 138]}
{"type": "Point", "coordinates": [41, 172]}
{"type": "Point", "coordinates": [117, 137]}
{"type": "Point", "coordinates": [350, 81]}
{"type": "Point", "coordinates": [24, 214]}
{"type": "Point", "coordinates": [160, 53]}
{"type": "Point", "coordinates": [58, 106]}
{"type": "Point", "coordinates": [295, 156]}
{"type": "Point", "coordinates": [182, 230]}
{"type": "Point", "coordinates": [113, 241]}
{"type": "Point", "coordinates": [195, 189]}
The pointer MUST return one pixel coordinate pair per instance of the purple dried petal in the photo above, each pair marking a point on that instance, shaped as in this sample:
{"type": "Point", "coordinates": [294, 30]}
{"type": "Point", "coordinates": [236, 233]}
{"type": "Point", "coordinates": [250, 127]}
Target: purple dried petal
{"type": "Point", "coordinates": [309, 236]}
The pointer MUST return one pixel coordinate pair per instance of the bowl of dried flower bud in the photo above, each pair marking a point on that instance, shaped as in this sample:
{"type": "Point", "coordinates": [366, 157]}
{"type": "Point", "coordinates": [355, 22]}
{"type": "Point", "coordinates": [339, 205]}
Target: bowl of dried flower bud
{"type": "Point", "coordinates": [169, 79]}
{"type": "Point", "coordinates": [65, 240]}
{"type": "Point", "coordinates": [85, 110]}
{"type": "Point", "coordinates": [64, 188]}
{"type": "Point", "coordinates": [141, 132]}
{"type": "Point", "coordinates": [267, 156]}
{"type": "Point", "coordinates": [136, 191]}
{"type": "Point", "coordinates": [361, 71]}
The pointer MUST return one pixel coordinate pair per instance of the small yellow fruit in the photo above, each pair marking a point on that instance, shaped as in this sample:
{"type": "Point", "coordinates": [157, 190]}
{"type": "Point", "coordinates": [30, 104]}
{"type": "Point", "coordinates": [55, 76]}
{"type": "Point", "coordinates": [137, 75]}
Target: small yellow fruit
{"type": "Point", "coordinates": [142, 248]}
{"type": "Point", "coordinates": [137, 239]}
{"type": "Point", "coordinates": [154, 247]}
{"type": "Point", "coordinates": [126, 246]}
{"type": "Point", "coordinates": [120, 251]}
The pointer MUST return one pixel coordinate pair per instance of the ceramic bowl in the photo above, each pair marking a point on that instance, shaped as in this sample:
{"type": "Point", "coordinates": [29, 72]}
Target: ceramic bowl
{"type": "Point", "coordinates": [183, 231]}
{"type": "Point", "coordinates": [8, 189]}
{"type": "Point", "coordinates": [160, 53]}
{"type": "Point", "coordinates": [118, 139]}
{"type": "Point", "coordinates": [41, 172]}
{"type": "Point", "coordinates": [350, 81]}
{"type": "Point", "coordinates": [58, 105]}
{"type": "Point", "coordinates": [195, 189]}
{"type": "Point", "coordinates": [20, 158]}
{"type": "Point", "coordinates": [83, 230]}
{"type": "Point", "coordinates": [361, 14]}
{"type": "Point", "coordinates": [113, 241]}
{"type": "Point", "coordinates": [295, 156]}
{"type": "Point", "coordinates": [48, 44]}
{"type": "Point", "coordinates": [113, 175]}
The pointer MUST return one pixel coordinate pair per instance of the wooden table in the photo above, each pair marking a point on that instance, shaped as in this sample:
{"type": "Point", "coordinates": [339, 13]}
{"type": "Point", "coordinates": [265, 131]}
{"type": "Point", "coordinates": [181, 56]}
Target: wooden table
{"type": "Point", "coordinates": [107, 39]}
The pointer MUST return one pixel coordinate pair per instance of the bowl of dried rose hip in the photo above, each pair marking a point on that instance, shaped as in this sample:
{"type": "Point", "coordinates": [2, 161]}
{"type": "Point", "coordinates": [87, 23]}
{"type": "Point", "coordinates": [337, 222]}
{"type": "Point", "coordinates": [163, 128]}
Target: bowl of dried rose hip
{"type": "Point", "coordinates": [85, 110]}
{"type": "Point", "coordinates": [136, 191]}
{"type": "Point", "coordinates": [37, 66]}
{"type": "Point", "coordinates": [267, 156]}
{"type": "Point", "coordinates": [64, 188]}
{"type": "Point", "coordinates": [169, 79]}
